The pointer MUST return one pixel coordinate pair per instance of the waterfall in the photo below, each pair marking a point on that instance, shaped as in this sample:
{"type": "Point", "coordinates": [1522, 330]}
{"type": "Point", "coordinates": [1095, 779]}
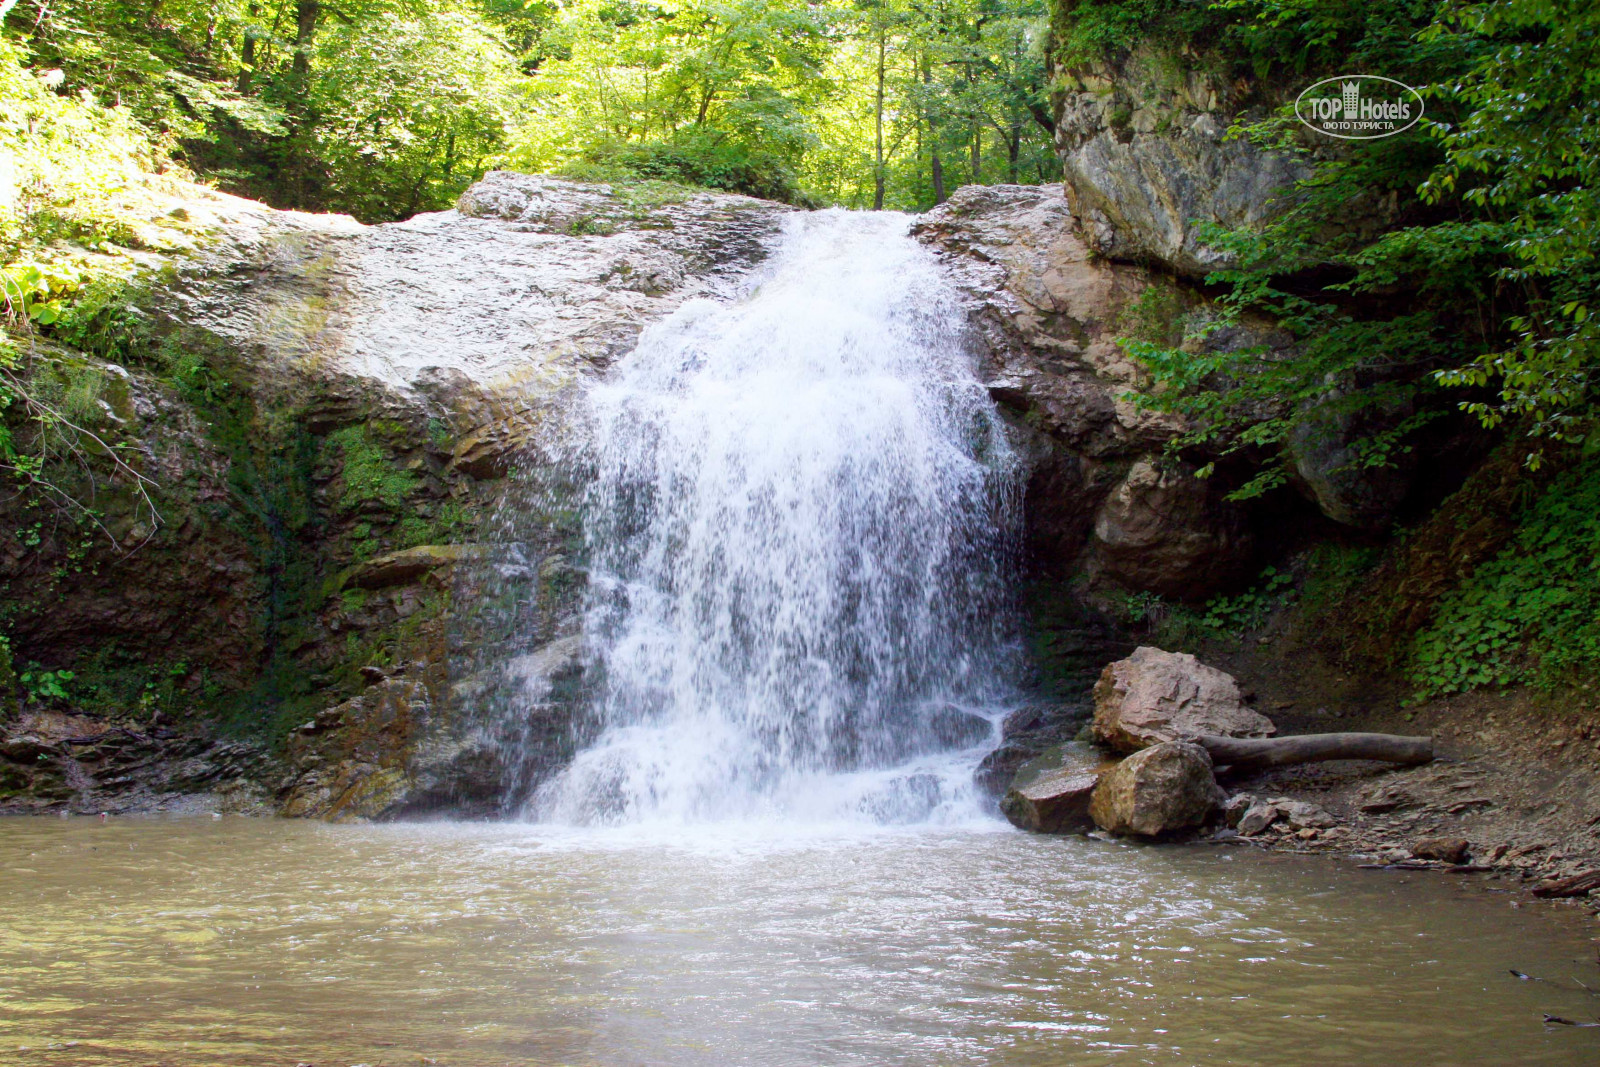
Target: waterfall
{"type": "Point", "coordinates": [800, 515]}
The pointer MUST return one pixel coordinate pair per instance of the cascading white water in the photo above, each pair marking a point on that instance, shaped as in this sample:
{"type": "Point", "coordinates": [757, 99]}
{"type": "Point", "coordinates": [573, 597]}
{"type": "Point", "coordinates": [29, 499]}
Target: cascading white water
{"type": "Point", "coordinates": [797, 529]}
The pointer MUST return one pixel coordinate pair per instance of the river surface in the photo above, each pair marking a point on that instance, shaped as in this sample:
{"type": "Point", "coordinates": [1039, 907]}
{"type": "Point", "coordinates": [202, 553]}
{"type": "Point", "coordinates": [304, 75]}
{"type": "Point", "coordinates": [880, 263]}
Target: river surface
{"type": "Point", "coordinates": [257, 942]}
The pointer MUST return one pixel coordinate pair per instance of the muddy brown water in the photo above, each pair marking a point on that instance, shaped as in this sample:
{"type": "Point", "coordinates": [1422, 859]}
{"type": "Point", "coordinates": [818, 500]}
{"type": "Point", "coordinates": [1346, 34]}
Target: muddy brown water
{"type": "Point", "coordinates": [245, 941]}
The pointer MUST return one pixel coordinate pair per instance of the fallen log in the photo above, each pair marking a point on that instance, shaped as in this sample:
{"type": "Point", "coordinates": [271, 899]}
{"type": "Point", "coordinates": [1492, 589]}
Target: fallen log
{"type": "Point", "coordinates": [1248, 753]}
{"type": "Point", "coordinates": [1573, 886]}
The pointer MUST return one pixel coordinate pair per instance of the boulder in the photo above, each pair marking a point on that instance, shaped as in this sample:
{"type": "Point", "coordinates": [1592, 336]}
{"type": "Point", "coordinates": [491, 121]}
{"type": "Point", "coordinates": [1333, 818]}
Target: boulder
{"type": "Point", "coordinates": [1161, 789]}
{"type": "Point", "coordinates": [1026, 734]}
{"type": "Point", "coordinates": [1056, 802]}
{"type": "Point", "coordinates": [1331, 470]}
{"type": "Point", "coordinates": [1155, 696]}
{"type": "Point", "coordinates": [1165, 531]}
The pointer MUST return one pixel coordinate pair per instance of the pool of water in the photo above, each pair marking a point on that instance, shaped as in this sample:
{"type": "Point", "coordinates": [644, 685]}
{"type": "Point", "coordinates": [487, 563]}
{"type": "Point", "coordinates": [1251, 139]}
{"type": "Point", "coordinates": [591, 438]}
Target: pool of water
{"type": "Point", "coordinates": [245, 941]}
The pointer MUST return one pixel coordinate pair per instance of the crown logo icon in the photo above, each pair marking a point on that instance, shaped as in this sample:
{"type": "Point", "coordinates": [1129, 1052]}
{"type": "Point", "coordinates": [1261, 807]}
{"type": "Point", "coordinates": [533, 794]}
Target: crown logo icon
{"type": "Point", "coordinates": [1352, 97]}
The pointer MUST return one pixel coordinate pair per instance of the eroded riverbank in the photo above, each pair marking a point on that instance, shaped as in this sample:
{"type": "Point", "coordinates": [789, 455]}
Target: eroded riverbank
{"type": "Point", "coordinates": [247, 941]}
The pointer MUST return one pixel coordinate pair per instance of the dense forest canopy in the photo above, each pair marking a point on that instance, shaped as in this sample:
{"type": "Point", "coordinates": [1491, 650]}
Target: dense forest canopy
{"type": "Point", "coordinates": [1454, 266]}
{"type": "Point", "coordinates": [382, 108]}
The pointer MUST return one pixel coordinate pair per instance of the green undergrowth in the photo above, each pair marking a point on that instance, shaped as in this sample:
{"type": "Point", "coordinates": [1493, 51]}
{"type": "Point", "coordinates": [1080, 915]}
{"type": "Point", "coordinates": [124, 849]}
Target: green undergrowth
{"type": "Point", "coordinates": [1313, 585]}
{"type": "Point", "coordinates": [1531, 614]}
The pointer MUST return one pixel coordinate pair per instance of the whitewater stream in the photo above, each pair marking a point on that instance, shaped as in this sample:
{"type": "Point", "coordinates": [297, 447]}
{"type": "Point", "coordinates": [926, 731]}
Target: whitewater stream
{"type": "Point", "coordinates": [800, 528]}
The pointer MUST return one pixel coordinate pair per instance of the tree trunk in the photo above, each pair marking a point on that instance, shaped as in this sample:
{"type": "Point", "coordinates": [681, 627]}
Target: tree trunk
{"type": "Point", "coordinates": [1013, 148]}
{"type": "Point", "coordinates": [247, 53]}
{"type": "Point", "coordinates": [935, 164]}
{"type": "Point", "coordinates": [1249, 753]}
{"type": "Point", "coordinates": [877, 170]}
{"type": "Point", "coordinates": [306, 14]}
{"type": "Point", "coordinates": [302, 120]}
{"type": "Point", "coordinates": [977, 153]}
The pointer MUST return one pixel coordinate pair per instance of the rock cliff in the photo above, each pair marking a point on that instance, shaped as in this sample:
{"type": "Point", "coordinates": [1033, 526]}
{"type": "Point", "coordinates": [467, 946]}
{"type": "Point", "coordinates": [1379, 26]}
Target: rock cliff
{"type": "Point", "coordinates": [324, 415]}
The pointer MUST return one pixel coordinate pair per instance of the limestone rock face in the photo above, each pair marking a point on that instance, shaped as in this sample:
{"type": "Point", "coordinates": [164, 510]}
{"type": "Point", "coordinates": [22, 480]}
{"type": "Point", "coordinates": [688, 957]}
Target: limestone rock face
{"type": "Point", "coordinates": [1144, 157]}
{"type": "Point", "coordinates": [1166, 531]}
{"type": "Point", "coordinates": [1155, 696]}
{"type": "Point", "coordinates": [1049, 315]}
{"type": "Point", "coordinates": [52, 761]}
{"type": "Point", "coordinates": [1161, 789]}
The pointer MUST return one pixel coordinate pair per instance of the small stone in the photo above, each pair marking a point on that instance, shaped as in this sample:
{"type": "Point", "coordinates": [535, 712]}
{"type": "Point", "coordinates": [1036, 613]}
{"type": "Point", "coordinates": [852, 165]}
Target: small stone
{"type": "Point", "coordinates": [1257, 818]}
{"type": "Point", "coordinates": [1447, 849]}
{"type": "Point", "coordinates": [1302, 814]}
{"type": "Point", "coordinates": [1235, 808]}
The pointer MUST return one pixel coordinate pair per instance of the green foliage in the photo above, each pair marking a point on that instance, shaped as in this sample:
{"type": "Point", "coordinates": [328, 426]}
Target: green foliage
{"type": "Point", "coordinates": [70, 164]}
{"type": "Point", "coordinates": [1452, 266]}
{"type": "Point", "coordinates": [1088, 30]}
{"type": "Point", "coordinates": [44, 686]}
{"type": "Point", "coordinates": [692, 157]}
{"type": "Point", "coordinates": [861, 104]}
{"type": "Point", "coordinates": [411, 105]}
{"type": "Point", "coordinates": [1531, 615]}
{"type": "Point", "coordinates": [9, 682]}
{"type": "Point", "coordinates": [382, 108]}
{"type": "Point", "coordinates": [1222, 618]}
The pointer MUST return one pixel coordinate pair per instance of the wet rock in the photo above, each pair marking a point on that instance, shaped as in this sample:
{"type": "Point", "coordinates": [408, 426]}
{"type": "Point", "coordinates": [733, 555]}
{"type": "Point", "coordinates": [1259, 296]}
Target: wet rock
{"type": "Point", "coordinates": [1165, 531]}
{"type": "Point", "coordinates": [1055, 802]}
{"type": "Point", "coordinates": [1155, 696]}
{"type": "Point", "coordinates": [953, 728]}
{"type": "Point", "coordinates": [1447, 849]}
{"type": "Point", "coordinates": [75, 763]}
{"type": "Point", "coordinates": [354, 758]}
{"type": "Point", "coordinates": [1026, 734]}
{"type": "Point", "coordinates": [1158, 790]}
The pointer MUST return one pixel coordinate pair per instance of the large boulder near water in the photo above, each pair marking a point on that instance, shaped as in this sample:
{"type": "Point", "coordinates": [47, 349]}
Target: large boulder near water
{"type": "Point", "coordinates": [1053, 803]}
{"type": "Point", "coordinates": [1050, 793]}
{"type": "Point", "coordinates": [1155, 696]}
{"type": "Point", "coordinates": [1161, 789]}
